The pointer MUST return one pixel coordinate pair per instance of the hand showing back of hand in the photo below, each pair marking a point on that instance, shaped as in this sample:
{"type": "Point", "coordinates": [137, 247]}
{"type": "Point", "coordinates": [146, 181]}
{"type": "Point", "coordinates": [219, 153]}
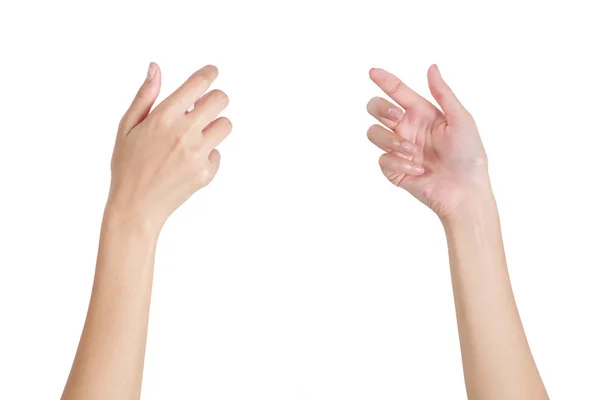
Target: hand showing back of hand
{"type": "Point", "coordinates": [162, 157]}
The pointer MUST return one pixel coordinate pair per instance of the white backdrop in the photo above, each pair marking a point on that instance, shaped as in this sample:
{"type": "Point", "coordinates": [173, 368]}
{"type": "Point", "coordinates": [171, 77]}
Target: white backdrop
{"type": "Point", "coordinates": [300, 272]}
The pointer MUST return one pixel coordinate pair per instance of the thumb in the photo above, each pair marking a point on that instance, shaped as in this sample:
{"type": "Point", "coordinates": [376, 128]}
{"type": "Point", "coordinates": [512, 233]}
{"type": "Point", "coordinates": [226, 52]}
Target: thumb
{"type": "Point", "coordinates": [144, 99]}
{"type": "Point", "coordinates": [442, 93]}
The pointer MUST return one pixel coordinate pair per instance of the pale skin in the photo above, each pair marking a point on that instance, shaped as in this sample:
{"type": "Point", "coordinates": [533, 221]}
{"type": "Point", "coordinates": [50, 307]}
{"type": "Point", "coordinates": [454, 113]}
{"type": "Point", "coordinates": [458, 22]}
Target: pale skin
{"type": "Point", "coordinates": [161, 158]}
{"type": "Point", "coordinates": [438, 157]}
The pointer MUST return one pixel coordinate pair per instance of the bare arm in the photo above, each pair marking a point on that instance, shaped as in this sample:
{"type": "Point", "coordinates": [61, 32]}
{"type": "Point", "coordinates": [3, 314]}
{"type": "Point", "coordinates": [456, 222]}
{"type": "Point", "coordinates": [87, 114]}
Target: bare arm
{"type": "Point", "coordinates": [160, 159]}
{"type": "Point", "coordinates": [497, 362]}
{"type": "Point", "coordinates": [110, 356]}
{"type": "Point", "coordinates": [439, 158]}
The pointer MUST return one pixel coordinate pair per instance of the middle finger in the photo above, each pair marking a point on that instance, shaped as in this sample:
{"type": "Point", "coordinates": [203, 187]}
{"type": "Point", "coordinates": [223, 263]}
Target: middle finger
{"type": "Point", "coordinates": [391, 142]}
{"type": "Point", "coordinates": [385, 112]}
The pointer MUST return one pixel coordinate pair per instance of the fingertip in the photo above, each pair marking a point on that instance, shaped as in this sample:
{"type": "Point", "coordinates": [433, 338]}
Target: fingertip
{"type": "Point", "coordinates": [371, 106]}
{"type": "Point", "coordinates": [153, 71]}
{"type": "Point", "coordinates": [228, 123]}
{"type": "Point", "coordinates": [384, 160]}
{"type": "Point", "coordinates": [375, 72]}
{"type": "Point", "coordinates": [211, 69]}
{"type": "Point", "coordinates": [372, 129]}
{"type": "Point", "coordinates": [433, 71]}
{"type": "Point", "coordinates": [153, 81]}
{"type": "Point", "coordinates": [144, 99]}
{"type": "Point", "coordinates": [208, 72]}
{"type": "Point", "coordinates": [221, 96]}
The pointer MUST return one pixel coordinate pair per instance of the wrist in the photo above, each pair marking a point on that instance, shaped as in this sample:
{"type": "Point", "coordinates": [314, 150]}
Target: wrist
{"type": "Point", "coordinates": [478, 204]}
{"type": "Point", "coordinates": [130, 219]}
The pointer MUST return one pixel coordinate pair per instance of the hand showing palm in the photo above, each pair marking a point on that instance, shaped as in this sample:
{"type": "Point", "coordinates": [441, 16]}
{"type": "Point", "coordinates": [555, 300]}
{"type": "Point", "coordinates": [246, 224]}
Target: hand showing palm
{"type": "Point", "coordinates": [436, 156]}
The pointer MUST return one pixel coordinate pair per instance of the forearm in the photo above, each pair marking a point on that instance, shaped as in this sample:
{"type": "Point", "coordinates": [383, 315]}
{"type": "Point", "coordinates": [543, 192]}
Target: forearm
{"type": "Point", "coordinates": [497, 361]}
{"type": "Point", "coordinates": [110, 356]}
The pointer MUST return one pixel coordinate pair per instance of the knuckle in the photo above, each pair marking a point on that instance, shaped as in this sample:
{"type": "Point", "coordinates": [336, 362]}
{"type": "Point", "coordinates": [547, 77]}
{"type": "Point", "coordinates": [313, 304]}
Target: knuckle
{"type": "Point", "coordinates": [190, 162]}
{"type": "Point", "coordinates": [396, 86]}
{"type": "Point", "coordinates": [162, 119]}
{"type": "Point", "coordinates": [201, 81]}
{"type": "Point", "coordinates": [203, 176]}
{"type": "Point", "coordinates": [187, 150]}
{"type": "Point", "coordinates": [123, 123]}
{"type": "Point", "coordinates": [200, 141]}
{"type": "Point", "coordinates": [190, 157]}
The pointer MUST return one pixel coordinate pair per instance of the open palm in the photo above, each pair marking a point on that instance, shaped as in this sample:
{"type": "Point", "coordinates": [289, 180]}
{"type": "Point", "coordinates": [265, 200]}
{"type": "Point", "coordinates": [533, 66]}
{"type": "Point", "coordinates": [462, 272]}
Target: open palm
{"type": "Point", "coordinates": [436, 156]}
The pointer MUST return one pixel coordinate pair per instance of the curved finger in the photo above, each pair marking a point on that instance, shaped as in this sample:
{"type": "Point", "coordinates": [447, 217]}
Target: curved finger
{"type": "Point", "coordinates": [214, 157]}
{"type": "Point", "coordinates": [396, 89]}
{"type": "Point", "coordinates": [192, 89]}
{"type": "Point", "coordinates": [198, 102]}
{"type": "Point", "coordinates": [208, 108]}
{"type": "Point", "coordinates": [207, 171]}
{"type": "Point", "coordinates": [391, 142]}
{"type": "Point", "coordinates": [216, 132]}
{"type": "Point", "coordinates": [385, 112]}
{"type": "Point", "coordinates": [393, 165]}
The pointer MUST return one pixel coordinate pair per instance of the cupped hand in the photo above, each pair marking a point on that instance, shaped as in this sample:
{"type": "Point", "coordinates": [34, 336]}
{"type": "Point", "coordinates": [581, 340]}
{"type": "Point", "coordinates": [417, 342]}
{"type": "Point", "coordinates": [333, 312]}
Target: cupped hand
{"type": "Point", "coordinates": [163, 156]}
{"type": "Point", "coordinates": [436, 156]}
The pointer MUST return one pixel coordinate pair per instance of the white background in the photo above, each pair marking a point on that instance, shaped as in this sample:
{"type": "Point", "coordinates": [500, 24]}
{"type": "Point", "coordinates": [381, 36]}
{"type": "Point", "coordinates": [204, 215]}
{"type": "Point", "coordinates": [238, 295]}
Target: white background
{"type": "Point", "coordinates": [300, 272]}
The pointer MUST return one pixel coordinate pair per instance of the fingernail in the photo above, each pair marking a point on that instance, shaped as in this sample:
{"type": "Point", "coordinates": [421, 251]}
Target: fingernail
{"type": "Point", "coordinates": [394, 114]}
{"type": "Point", "coordinates": [151, 72]}
{"type": "Point", "coordinates": [409, 147]}
{"type": "Point", "coordinates": [374, 71]}
{"type": "Point", "coordinates": [417, 169]}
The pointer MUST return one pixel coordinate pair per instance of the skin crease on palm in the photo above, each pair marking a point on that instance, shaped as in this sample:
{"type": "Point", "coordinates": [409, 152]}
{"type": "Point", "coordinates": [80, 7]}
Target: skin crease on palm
{"type": "Point", "coordinates": [435, 155]}
{"type": "Point", "coordinates": [162, 156]}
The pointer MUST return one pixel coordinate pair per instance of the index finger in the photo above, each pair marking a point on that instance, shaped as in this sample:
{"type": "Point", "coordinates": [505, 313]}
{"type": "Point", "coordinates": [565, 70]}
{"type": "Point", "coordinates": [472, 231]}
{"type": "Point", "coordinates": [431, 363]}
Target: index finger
{"type": "Point", "coordinates": [395, 88]}
{"type": "Point", "coordinates": [192, 89]}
